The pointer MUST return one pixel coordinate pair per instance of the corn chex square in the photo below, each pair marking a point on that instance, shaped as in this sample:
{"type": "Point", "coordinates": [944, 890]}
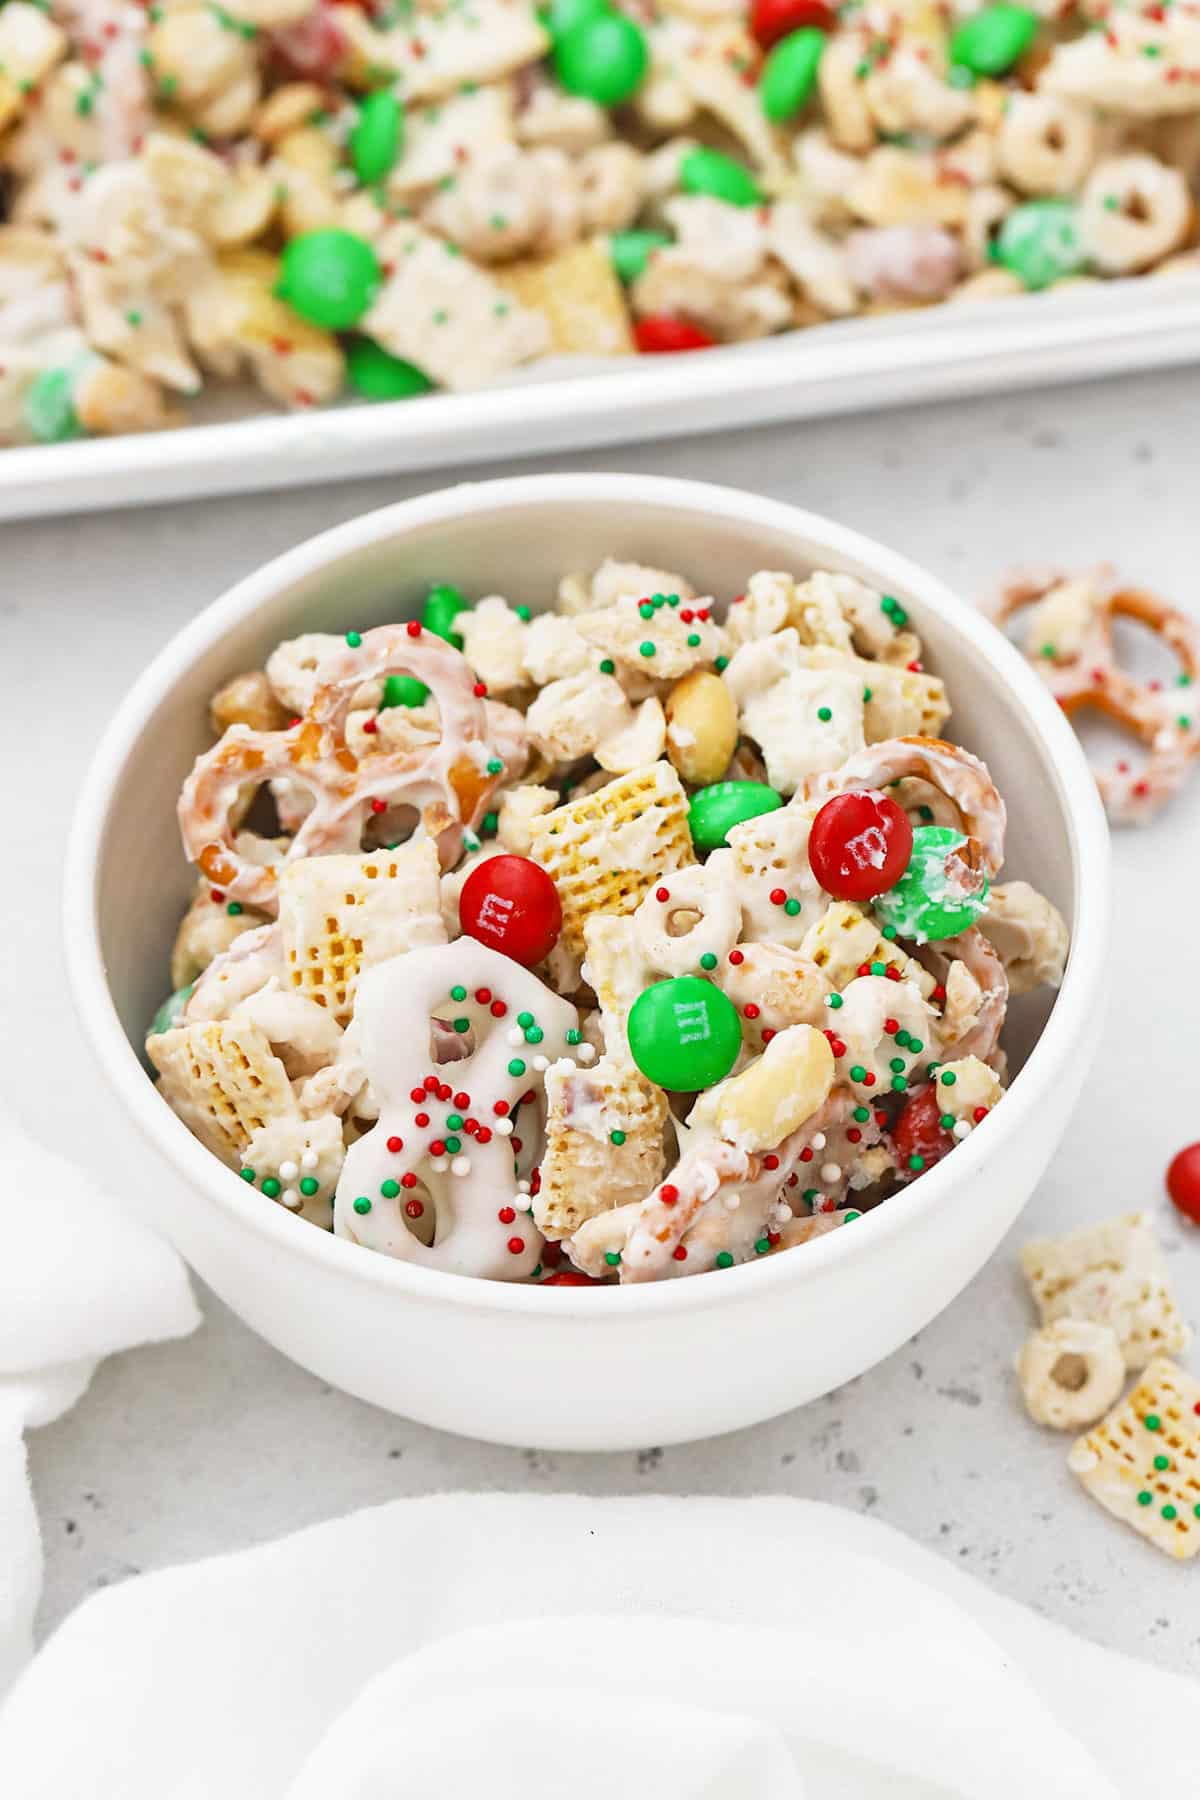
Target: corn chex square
{"type": "Point", "coordinates": [341, 914]}
{"type": "Point", "coordinates": [607, 849]}
{"type": "Point", "coordinates": [1115, 1274]}
{"type": "Point", "coordinates": [224, 1081]}
{"type": "Point", "coordinates": [1142, 1462]}
{"type": "Point", "coordinates": [585, 1169]}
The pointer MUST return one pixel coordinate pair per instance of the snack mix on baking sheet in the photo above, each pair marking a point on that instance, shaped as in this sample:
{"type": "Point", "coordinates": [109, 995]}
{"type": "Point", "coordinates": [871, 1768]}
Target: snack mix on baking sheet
{"type": "Point", "coordinates": [615, 943]}
{"type": "Point", "coordinates": [407, 194]}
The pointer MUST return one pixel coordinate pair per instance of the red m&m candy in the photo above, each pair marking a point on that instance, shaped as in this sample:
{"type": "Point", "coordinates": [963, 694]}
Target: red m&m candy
{"type": "Point", "coordinates": [511, 905]}
{"type": "Point", "coordinates": [569, 1278]}
{"type": "Point", "coordinates": [771, 20]}
{"type": "Point", "coordinates": [859, 845]}
{"type": "Point", "coordinates": [1183, 1182]}
{"type": "Point", "coordinates": [660, 334]}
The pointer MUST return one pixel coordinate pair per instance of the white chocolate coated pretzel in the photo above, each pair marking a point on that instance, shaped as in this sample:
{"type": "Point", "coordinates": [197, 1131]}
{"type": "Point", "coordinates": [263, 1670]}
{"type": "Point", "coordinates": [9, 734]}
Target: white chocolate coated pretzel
{"type": "Point", "coordinates": [948, 767]}
{"type": "Point", "coordinates": [481, 1220]}
{"type": "Point", "coordinates": [449, 781]}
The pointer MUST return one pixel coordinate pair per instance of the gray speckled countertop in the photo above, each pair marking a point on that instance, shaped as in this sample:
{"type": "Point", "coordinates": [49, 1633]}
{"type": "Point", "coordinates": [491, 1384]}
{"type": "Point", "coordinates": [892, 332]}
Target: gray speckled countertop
{"type": "Point", "coordinates": [217, 1442]}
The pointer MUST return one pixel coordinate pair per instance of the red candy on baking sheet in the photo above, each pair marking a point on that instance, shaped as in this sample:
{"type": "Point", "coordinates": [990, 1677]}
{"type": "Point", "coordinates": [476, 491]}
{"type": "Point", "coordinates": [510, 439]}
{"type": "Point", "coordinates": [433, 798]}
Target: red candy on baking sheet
{"type": "Point", "coordinates": [660, 335]}
{"type": "Point", "coordinates": [860, 844]}
{"type": "Point", "coordinates": [510, 904]}
{"type": "Point", "coordinates": [919, 1132]}
{"type": "Point", "coordinates": [1183, 1182]}
{"type": "Point", "coordinates": [771, 20]}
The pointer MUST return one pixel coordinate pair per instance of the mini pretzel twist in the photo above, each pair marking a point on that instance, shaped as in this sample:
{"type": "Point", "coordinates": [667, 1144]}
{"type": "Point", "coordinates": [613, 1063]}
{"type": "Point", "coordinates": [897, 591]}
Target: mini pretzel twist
{"type": "Point", "coordinates": [449, 780]}
{"type": "Point", "coordinates": [1084, 674]}
{"type": "Point", "coordinates": [961, 777]}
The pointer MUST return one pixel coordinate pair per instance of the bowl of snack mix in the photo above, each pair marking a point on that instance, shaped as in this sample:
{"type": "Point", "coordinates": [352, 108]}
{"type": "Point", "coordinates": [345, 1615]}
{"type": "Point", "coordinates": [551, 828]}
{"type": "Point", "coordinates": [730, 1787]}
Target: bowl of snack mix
{"type": "Point", "coordinates": [566, 931]}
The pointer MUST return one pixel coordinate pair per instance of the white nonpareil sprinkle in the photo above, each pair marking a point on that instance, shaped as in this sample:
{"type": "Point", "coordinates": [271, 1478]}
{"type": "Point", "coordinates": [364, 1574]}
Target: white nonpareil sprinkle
{"type": "Point", "coordinates": [733, 1201]}
{"type": "Point", "coordinates": [962, 1130]}
{"type": "Point", "coordinates": [516, 1036]}
{"type": "Point", "coordinates": [587, 1053]}
{"type": "Point", "coordinates": [288, 1171]}
{"type": "Point", "coordinates": [541, 1064]}
{"type": "Point", "coordinates": [309, 1160]}
{"type": "Point", "coordinates": [523, 1202]}
{"type": "Point", "coordinates": [819, 1140]}
{"type": "Point", "coordinates": [440, 1164]}
{"type": "Point", "coordinates": [831, 1172]}
{"type": "Point", "coordinates": [290, 1198]}
{"type": "Point", "coordinates": [522, 1187]}
{"type": "Point", "coordinates": [461, 1165]}
{"type": "Point", "coordinates": [504, 1127]}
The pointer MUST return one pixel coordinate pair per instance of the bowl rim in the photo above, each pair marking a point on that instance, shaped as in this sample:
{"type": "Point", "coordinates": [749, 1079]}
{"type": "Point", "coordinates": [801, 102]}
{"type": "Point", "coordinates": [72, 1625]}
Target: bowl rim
{"type": "Point", "coordinates": [997, 658]}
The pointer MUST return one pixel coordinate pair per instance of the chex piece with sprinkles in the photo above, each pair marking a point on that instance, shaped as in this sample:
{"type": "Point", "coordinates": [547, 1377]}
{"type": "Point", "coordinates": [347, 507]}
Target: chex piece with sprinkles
{"type": "Point", "coordinates": [605, 850]}
{"type": "Point", "coordinates": [845, 942]}
{"type": "Point", "coordinates": [1114, 1273]}
{"type": "Point", "coordinates": [340, 914]}
{"type": "Point", "coordinates": [224, 1081]}
{"type": "Point", "coordinates": [604, 1142]}
{"type": "Point", "coordinates": [1142, 1462]}
{"type": "Point", "coordinates": [805, 718]}
{"type": "Point", "coordinates": [655, 636]}
{"type": "Point", "coordinates": [442, 312]}
{"type": "Point", "coordinates": [578, 294]}
{"type": "Point", "coordinates": [897, 702]}
{"type": "Point", "coordinates": [779, 895]}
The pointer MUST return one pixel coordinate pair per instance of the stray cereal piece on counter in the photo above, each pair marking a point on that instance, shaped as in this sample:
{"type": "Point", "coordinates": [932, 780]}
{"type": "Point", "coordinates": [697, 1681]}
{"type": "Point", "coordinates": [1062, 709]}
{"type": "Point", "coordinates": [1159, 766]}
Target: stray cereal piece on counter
{"type": "Point", "coordinates": [1142, 1463]}
{"type": "Point", "coordinates": [1114, 1274]}
{"type": "Point", "coordinates": [1070, 1372]}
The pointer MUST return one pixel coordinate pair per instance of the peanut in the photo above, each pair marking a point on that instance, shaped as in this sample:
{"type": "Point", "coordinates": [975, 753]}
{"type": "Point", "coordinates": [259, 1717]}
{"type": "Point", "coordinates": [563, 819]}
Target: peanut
{"type": "Point", "coordinates": [701, 727]}
{"type": "Point", "coordinates": [773, 1097]}
{"type": "Point", "coordinates": [247, 700]}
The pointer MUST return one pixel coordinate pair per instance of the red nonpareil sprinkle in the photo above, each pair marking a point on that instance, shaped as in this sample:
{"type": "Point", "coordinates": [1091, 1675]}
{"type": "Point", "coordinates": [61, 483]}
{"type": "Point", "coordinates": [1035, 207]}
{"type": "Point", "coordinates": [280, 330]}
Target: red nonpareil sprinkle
{"type": "Point", "coordinates": [837, 1046]}
{"type": "Point", "coordinates": [499, 1107]}
{"type": "Point", "coordinates": [772, 1237]}
{"type": "Point", "coordinates": [528, 1097]}
{"type": "Point", "coordinates": [217, 895]}
{"type": "Point", "coordinates": [370, 727]}
{"type": "Point", "coordinates": [750, 1010]}
{"type": "Point", "coordinates": [552, 1255]}
{"type": "Point", "coordinates": [679, 1253]}
{"type": "Point", "coordinates": [737, 599]}
{"type": "Point", "coordinates": [703, 615]}
{"type": "Point", "coordinates": [864, 968]}
{"type": "Point", "coordinates": [1098, 676]}
{"type": "Point", "coordinates": [868, 1078]}
{"type": "Point", "coordinates": [893, 974]}
{"type": "Point", "coordinates": [793, 1181]}
{"type": "Point", "coordinates": [1141, 789]}
{"type": "Point", "coordinates": [914, 667]}
{"type": "Point", "coordinates": [981, 1112]}
{"type": "Point", "coordinates": [394, 1144]}
{"type": "Point", "coordinates": [939, 992]}
{"type": "Point", "coordinates": [662, 895]}
{"type": "Point", "coordinates": [421, 1119]}
{"type": "Point", "coordinates": [535, 1182]}
{"type": "Point", "coordinates": [806, 1154]}
{"type": "Point", "coordinates": [444, 1091]}
{"type": "Point", "coordinates": [854, 1135]}
{"type": "Point", "coordinates": [417, 1094]}
{"type": "Point", "coordinates": [431, 1084]}
{"type": "Point", "coordinates": [771, 1161]}
{"type": "Point", "coordinates": [483, 1134]}
{"type": "Point", "coordinates": [777, 896]}
{"type": "Point", "coordinates": [498, 1009]}
{"type": "Point", "coordinates": [881, 1120]}
{"type": "Point", "coordinates": [462, 1101]}
{"type": "Point", "coordinates": [378, 806]}
{"type": "Point", "coordinates": [470, 1126]}
{"type": "Point", "coordinates": [282, 346]}
{"type": "Point", "coordinates": [668, 1193]}
{"type": "Point", "coordinates": [891, 1026]}
{"type": "Point", "coordinates": [515, 1246]}
{"type": "Point", "coordinates": [736, 957]}
{"type": "Point", "coordinates": [517, 1145]}
{"type": "Point", "coordinates": [1122, 767]}
{"type": "Point", "coordinates": [413, 628]}
{"type": "Point", "coordinates": [305, 397]}
{"type": "Point", "coordinates": [506, 1215]}
{"type": "Point", "coordinates": [767, 1034]}
{"type": "Point", "coordinates": [414, 1208]}
{"type": "Point", "coordinates": [483, 995]}
{"type": "Point", "coordinates": [686, 615]}
{"type": "Point", "coordinates": [661, 334]}
{"type": "Point", "coordinates": [409, 1180]}
{"type": "Point", "coordinates": [480, 690]}
{"type": "Point", "coordinates": [437, 1147]}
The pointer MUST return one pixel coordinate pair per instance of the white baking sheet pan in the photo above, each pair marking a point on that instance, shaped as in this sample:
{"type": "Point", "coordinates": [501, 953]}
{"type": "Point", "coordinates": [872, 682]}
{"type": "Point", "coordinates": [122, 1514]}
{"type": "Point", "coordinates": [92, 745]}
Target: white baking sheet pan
{"type": "Point", "coordinates": [850, 366]}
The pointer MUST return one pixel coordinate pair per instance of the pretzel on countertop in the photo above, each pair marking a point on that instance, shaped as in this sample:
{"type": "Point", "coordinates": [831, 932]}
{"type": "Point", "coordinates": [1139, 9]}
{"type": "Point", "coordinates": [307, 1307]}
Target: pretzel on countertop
{"type": "Point", "coordinates": [1079, 665]}
{"type": "Point", "coordinates": [450, 780]}
{"type": "Point", "coordinates": [948, 767]}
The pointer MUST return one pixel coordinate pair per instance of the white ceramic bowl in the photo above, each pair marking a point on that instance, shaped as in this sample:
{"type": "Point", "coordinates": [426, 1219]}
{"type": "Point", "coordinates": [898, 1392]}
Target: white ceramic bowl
{"type": "Point", "coordinates": [570, 1368]}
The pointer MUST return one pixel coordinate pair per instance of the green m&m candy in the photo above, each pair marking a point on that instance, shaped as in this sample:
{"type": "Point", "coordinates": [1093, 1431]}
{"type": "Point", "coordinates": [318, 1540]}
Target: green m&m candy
{"type": "Point", "coordinates": [170, 1013]}
{"type": "Point", "coordinates": [378, 136]}
{"type": "Point", "coordinates": [991, 41]}
{"type": "Point", "coordinates": [440, 610]}
{"type": "Point", "coordinates": [630, 251]}
{"type": "Point", "coordinates": [715, 810]}
{"type": "Point", "coordinates": [1040, 243]}
{"type": "Point", "coordinates": [790, 73]}
{"type": "Point", "coordinates": [329, 277]}
{"type": "Point", "coordinates": [403, 690]}
{"type": "Point", "coordinates": [377, 375]}
{"type": "Point", "coordinates": [49, 408]}
{"type": "Point", "coordinates": [603, 57]}
{"type": "Point", "coordinates": [684, 1034]}
{"type": "Point", "coordinates": [705, 171]}
{"type": "Point", "coordinates": [939, 893]}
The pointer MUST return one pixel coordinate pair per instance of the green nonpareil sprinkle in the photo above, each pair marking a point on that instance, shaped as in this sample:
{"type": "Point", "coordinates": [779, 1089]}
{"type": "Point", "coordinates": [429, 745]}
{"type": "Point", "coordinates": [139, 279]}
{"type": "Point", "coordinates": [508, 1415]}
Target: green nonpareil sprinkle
{"type": "Point", "coordinates": [1145, 1498]}
{"type": "Point", "coordinates": [309, 1185]}
{"type": "Point", "coordinates": [948, 1078]}
{"type": "Point", "coordinates": [834, 1000]}
{"type": "Point", "coordinates": [1048, 651]}
{"type": "Point", "coordinates": [896, 1065]}
{"type": "Point", "coordinates": [607, 665]}
{"type": "Point", "coordinates": [524, 613]}
{"type": "Point", "coordinates": [861, 1115]}
{"type": "Point", "coordinates": [495, 766]}
{"type": "Point", "coordinates": [866, 695]}
{"type": "Point", "coordinates": [858, 1073]}
{"type": "Point", "coordinates": [612, 1258]}
{"type": "Point", "coordinates": [524, 1019]}
{"type": "Point", "coordinates": [270, 1188]}
{"type": "Point", "coordinates": [1152, 1422]}
{"type": "Point", "coordinates": [693, 640]}
{"type": "Point", "coordinates": [534, 1035]}
{"type": "Point", "coordinates": [708, 960]}
{"type": "Point", "coordinates": [761, 1246]}
{"type": "Point", "coordinates": [617, 1138]}
{"type": "Point", "coordinates": [721, 664]}
{"type": "Point", "coordinates": [947, 1121]}
{"type": "Point", "coordinates": [354, 639]}
{"type": "Point", "coordinates": [646, 648]}
{"type": "Point", "coordinates": [389, 1188]}
{"type": "Point", "coordinates": [574, 1036]}
{"type": "Point", "coordinates": [453, 1145]}
{"type": "Point", "coordinates": [847, 1217]}
{"type": "Point", "coordinates": [234, 909]}
{"type": "Point", "coordinates": [490, 824]}
{"type": "Point", "coordinates": [878, 968]}
{"type": "Point", "coordinates": [462, 1026]}
{"type": "Point", "coordinates": [454, 1122]}
{"type": "Point", "coordinates": [1162, 1462]}
{"type": "Point", "coordinates": [362, 1204]}
{"type": "Point", "coordinates": [458, 992]}
{"type": "Point", "coordinates": [791, 907]}
{"type": "Point", "coordinates": [248, 1175]}
{"type": "Point", "coordinates": [516, 1066]}
{"type": "Point", "coordinates": [724, 1260]}
{"type": "Point", "coordinates": [824, 713]}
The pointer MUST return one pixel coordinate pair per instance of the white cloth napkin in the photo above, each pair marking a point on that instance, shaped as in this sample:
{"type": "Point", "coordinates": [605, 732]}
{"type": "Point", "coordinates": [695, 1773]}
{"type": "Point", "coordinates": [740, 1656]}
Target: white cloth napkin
{"type": "Point", "coordinates": [537, 1646]}
{"type": "Point", "coordinates": [79, 1278]}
